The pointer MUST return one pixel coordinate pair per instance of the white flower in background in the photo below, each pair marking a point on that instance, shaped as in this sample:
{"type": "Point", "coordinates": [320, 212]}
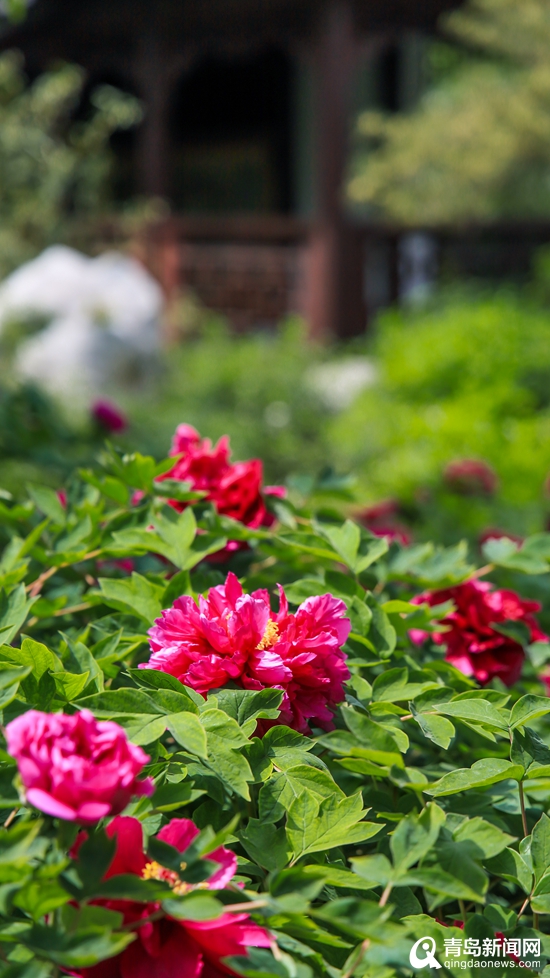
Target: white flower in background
{"type": "Point", "coordinates": [339, 382]}
{"type": "Point", "coordinates": [104, 316]}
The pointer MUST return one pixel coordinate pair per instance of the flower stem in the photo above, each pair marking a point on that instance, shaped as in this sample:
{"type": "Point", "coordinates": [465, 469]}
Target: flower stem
{"type": "Point", "coordinates": [356, 959]}
{"type": "Point", "coordinates": [386, 895]}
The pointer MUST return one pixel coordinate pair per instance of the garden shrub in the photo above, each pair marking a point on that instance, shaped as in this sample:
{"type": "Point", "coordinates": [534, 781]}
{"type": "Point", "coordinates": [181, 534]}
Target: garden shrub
{"type": "Point", "coordinates": [464, 378]}
{"type": "Point", "coordinates": [205, 773]}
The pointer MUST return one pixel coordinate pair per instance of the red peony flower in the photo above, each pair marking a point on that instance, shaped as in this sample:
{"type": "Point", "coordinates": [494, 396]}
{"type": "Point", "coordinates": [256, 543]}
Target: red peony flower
{"type": "Point", "coordinates": [381, 512]}
{"type": "Point", "coordinates": [108, 416]}
{"type": "Point", "coordinates": [76, 767]}
{"type": "Point", "coordinates": [472, 644]}
{"type": "Point", "coordinates": [495, 534]}
{"type": "Point", "coordinates": [234, 488]}
{"type": "Point", "coordinates": [470, 476]}
{"type": "Point", "coordinates": [235, 637]}
{"type": "Point", "coordinates": [381, 520]}
{"type": "Point", "coordinates": [396, 533]}
{"type": "Point", "coordinates": [169, 948]}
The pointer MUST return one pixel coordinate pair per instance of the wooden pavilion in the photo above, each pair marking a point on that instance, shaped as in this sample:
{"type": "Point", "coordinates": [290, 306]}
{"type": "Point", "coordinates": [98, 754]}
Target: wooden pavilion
{"type": "Point", "coordinates": [248, 112]}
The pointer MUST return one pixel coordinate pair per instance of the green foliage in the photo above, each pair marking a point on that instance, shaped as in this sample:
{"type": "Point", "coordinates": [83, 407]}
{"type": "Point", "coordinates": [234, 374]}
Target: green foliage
{"type": "Point", "coordinates": [427, 802]}
{"type": "Point", "coordinates": [463, 378]}
{"type": "Point", "coordinates": [460, 156]}
{"type": "Point", "coordinates": [54, 169]}
{"type": "Point", "coordinates": [259, 381]}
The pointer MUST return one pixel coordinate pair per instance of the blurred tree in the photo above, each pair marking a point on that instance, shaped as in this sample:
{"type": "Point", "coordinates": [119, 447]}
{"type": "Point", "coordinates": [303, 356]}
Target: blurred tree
{"type": "Point", "coordinates": [478, 145]}
{"type": "Point", "coordinates": [54, 167]}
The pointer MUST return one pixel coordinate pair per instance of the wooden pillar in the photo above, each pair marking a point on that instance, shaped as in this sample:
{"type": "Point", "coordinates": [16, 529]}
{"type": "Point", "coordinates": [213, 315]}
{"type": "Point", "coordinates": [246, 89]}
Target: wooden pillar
{"type": "Point", "coordinates": [153, 76]}
{"type": "Point", "coordinates": [336, 305]}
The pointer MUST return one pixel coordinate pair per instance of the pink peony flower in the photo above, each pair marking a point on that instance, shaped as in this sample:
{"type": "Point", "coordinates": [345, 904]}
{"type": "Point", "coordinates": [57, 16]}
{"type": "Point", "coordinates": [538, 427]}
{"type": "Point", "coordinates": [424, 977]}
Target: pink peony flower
{"type": "Point", "coordinates": [108, 416]}
{"type": "Point", "coordinates": [470, 476]}
{"type": "Point", "coordinates": [235, 637]}
{"type": "Point", "coordinates": [169, 948]}
{"type": "Point", "coordinates": [76, 767]}
{"type": "Point", "coordinates": [235, 488]}
{"type": "Point", "coordinates": [472, 644]}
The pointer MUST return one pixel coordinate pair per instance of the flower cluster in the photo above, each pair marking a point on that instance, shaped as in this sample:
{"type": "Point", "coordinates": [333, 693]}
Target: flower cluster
{"type": "Point", "coordinates": [76, 767]}
{"type": "Point", "coordinates": [165, 947]}
{"type": "Point", "coordinates": [472, 643]}
{"type": "Point", "coordinates": [235, 488]}
{"type": "Point", "coordinates": [236, 637]}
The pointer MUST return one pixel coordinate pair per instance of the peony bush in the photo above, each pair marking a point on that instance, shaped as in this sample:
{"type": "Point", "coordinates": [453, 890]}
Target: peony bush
{"type": "Point", "coordinates": [242, 738]}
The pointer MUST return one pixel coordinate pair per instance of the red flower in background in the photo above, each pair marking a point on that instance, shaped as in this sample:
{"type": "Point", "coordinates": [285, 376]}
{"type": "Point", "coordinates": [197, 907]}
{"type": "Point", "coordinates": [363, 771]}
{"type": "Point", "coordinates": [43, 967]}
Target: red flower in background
{"type": "Point", "coordinates": [472, 644]}
{"type": "Point", "coordinates": [169, 948]}
{"type": "Point", "coordinates": [381, 520]}
{"type": "Point", "coordinates": [108, 416]}
{"type": "Point", "coordinates": [494, 534]}
{"type": "Point", "coordinates": [235, 637]}
{"type": "Point", "coordinates": [235, 488]}
{"type": "Point", "coordinates": [470, 477]}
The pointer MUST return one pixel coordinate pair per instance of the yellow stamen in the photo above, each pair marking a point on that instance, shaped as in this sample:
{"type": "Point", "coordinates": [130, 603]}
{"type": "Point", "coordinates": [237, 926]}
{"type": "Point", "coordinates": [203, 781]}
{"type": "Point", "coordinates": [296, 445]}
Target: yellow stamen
{"type": "Point", "coordinates": [154, 871]}
{"type": "Point", "coordinates": [271, 635]}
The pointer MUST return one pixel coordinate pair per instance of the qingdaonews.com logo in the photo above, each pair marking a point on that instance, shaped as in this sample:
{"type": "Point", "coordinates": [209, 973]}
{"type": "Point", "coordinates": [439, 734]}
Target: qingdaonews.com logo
{"type": "Point", "coordinates": [471, 952]}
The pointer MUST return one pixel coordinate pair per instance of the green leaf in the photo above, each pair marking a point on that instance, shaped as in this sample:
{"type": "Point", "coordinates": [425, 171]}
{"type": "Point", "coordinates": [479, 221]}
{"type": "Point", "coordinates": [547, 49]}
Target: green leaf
{"type": "Point", "coordinates": [540, 847]}
{"type": "Point", "coordinates": [314, 827]}
{"type": "Point", "coordinates": [195, 906]}
{"type": "Point", "coordinates": [116, 702]}
{"type": "Point", "coordinates": [279, 792]}
{"type": "Point", "coordinates": [528, 708]}
{"type": "Point", "coordinates": [516, 630]}
{"type": "Point", "coordinates": [369, 733]}
{"type": "Point", "coordinates": [126, 886]}
{"type": "Point", "coordinates": [266, 844]}
{"type": "Point", "coordinates": [81, 660]}
{"type": "Point", "coordinates": [415, 836]}
{"type": "Point", "coordinates": [488, 771]}
{"type": "Point", "coordinates": [10, 678]}
{"type": "Point", "coordinates": [38, 897]}
{"type": "Point", "coordinates": [188, 731]}
{"type": "Point", "coordinates": [382, 634]}
{"type": "Point", "coordinates": [393, 686]}
{"type": "Point", "coordinates": [510, 865]}
{"type": "Point", "coordinates": [39, 657]}
{"type": "Point", "coordinates": [376, 869]}
{"type": "Point", "coordinates": [177, 531]}
{"type": "Point", "coordinates": [145, 729]}
{"type": "Point", "coordinates": [474, 709]}
{"type": "Point", "coordinates": [70, 686]}
{"type": "Point", "coordinates": [14, 609]}
{"type": "Point", "coordinates": [231, 767]}
{"type": "Point", "coordinates": [137, 595]}
{"type": "Point", "coordinates": [344, 539]}
{"type": "Point", "coordinates": [487, 839]}
{"type": "Point", "coordinates": [47, 501]}
{"type": "Point", "coordinates": [437, 729]}
{"type": "Point", "coordinates": [246, 704]}
{"type": "Point", "coordinates": [439, 881]}
{"type": "Point", "coordinates": [154, 679]}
